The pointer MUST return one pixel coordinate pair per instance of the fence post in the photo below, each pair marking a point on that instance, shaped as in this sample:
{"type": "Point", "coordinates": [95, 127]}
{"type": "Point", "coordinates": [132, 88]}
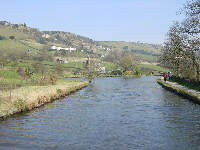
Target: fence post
{"type": "Point", "coordinates": [0, 93]}
{"type": "Point", "coordinates": [10, 91]}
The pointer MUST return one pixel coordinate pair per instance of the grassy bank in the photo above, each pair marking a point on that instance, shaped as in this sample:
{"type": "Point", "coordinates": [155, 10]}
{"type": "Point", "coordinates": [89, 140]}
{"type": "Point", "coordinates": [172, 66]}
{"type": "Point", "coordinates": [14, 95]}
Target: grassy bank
{"type": "Point", "coordinates": [191, 94]}
{"type": "Point", "coordinates": [27, 98]}
{"type": "Point", "coordinates": [187, 83]}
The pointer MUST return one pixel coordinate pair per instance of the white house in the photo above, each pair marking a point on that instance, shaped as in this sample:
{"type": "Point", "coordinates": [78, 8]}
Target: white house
{"type": "Point", "coordinates": [70, 49]}
{"type": "Point", "coordinates": [59, 48]}
{"type": "Point", "coordinates": [53, 47]}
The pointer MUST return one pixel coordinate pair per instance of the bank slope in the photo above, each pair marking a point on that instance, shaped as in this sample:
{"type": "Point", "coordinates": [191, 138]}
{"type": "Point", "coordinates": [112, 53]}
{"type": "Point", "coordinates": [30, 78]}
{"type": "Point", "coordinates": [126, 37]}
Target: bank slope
{"type": "Point", "coordinates": [181, 90]}
{"type": "Point", "coordinates": [27, 98]}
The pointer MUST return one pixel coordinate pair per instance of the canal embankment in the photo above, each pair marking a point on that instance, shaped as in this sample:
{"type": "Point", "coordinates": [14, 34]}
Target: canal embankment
{"type": "Point", "coordinates": [191, 94]}
{"type": "Point", "coordinates": [29, 97]}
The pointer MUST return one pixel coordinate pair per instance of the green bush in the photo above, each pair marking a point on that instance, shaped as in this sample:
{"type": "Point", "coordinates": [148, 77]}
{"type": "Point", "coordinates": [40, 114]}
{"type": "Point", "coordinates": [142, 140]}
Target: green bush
{"type": "Point", "coordinates": [11, 37]}
{"type": "Point", "coordinates": [138, 73]}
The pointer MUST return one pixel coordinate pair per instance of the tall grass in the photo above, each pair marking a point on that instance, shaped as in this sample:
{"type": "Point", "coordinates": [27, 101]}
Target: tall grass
{"type": "Point", "coordinates": [26, 98]}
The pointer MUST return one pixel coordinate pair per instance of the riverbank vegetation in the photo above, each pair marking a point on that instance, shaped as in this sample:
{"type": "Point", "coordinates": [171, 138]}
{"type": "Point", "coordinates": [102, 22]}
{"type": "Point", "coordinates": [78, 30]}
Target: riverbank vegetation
{"type": "Point", "coordinates": [181, 52]}
{"type": "Point", "coordinates": [27, 98]}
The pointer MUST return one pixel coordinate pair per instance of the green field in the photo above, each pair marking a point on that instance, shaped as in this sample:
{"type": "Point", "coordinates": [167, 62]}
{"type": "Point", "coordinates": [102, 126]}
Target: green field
{"type": "Point", "coordinates": [152, 67]}
{"type": "Point", "coordinates": [147, 52]}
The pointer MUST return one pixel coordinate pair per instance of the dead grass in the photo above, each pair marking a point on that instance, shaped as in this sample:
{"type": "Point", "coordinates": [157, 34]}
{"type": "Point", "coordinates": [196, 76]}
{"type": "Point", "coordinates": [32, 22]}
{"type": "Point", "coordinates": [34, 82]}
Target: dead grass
{"type": "Point", "coordinates": [27, 98]}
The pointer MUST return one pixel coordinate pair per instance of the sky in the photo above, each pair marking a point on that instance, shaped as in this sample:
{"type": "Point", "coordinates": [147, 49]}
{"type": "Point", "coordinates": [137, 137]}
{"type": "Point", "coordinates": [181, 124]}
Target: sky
{"type": "Point", "coordinates": [102, 20]}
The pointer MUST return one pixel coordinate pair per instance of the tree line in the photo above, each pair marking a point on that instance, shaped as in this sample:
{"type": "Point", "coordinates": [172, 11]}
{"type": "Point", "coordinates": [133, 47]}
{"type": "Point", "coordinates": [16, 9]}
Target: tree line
{"type": "Point", "coordinates": [181, 50]}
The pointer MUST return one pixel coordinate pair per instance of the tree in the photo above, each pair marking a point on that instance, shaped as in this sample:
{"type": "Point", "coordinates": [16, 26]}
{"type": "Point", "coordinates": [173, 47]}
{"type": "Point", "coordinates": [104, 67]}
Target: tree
{"type": "Point", "coordinates": [58, 69]}
{"type": "Point", "coordinates": [11, 37]}
{"type": "Point", "coordinates": [191, 27]}
{"type": "Point", "coordinates": [181, 50]}
{"type": "Point", "coordinates": [113, 56]}
{"type": "Point", "coordinates": [192, 19]}
{"type": "Point", "coordinates": [128, 63]}
{"type": "Point", "coordinates": [38, 67]}
{"type": "Point", "coordinates": [173, 49]}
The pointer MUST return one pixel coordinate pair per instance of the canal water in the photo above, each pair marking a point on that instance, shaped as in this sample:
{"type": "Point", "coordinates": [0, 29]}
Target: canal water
{"type": "Point", "coordinates": [110, 114]}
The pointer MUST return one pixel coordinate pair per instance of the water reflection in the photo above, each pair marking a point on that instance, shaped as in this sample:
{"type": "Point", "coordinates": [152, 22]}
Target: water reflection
{"type": "Point", "coordinates": [111, 113]}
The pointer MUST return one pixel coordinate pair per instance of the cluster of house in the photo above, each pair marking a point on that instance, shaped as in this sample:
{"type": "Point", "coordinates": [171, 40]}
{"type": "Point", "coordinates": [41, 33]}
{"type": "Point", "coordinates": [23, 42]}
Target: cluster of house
{"type": "Point", "coordinates": [104, 48]}
{"type": "Point", "coordinates": [70, 49]}
{"type": "Point", "coordinates": [61, 60]}
{"type": "Point", "coordinates": [107, 49]}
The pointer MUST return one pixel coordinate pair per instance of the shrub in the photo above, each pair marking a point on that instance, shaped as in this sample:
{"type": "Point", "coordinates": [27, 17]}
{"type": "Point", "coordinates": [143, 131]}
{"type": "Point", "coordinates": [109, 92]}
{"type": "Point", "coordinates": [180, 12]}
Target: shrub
{"type": "Point", "coordinates": [11, 37]}
{"type": "Point", "coordinates": [138, 73]}
{"type": "Point", "coordinates": [21, 105]}
{"type": "Point", "coordinates": [128, 73]}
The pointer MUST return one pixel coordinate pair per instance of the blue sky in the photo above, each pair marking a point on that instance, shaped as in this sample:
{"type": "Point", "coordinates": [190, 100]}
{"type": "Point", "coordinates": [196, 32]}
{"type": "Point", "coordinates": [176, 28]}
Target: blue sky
{"type": "Point", "coordinates": [124, 20]}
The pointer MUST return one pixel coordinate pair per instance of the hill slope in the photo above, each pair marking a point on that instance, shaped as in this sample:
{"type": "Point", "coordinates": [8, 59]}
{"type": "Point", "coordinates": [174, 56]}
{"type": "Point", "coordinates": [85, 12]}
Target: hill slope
{"type": "Point", "coordinates": [148, 52]}
{"type": "Point", "coordinates": [18, 38]}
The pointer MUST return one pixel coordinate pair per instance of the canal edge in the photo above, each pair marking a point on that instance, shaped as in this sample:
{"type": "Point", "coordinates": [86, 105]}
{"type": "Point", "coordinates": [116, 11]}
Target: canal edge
{"type": "Point", "coordinates": [180, 90]}
{"type": "Point", "coordinates": [23, 106]}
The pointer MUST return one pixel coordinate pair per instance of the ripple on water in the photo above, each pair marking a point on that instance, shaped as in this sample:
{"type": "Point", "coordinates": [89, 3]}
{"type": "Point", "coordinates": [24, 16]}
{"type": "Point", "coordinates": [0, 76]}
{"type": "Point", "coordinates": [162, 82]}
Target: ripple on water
{"type": "Point", "coordinates": [111, 113]}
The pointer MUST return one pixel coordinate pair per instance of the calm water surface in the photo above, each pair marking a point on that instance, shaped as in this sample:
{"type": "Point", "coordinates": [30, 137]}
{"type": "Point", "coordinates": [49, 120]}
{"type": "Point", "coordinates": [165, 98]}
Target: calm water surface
{"type": "Point", "coordinates": [110, 114]}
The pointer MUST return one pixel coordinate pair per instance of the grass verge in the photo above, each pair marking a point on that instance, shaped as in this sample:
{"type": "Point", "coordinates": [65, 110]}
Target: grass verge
{"type": "Point", "coordinates": [181, 90]}
{"type": "Point", "coordinates": [27, 98]}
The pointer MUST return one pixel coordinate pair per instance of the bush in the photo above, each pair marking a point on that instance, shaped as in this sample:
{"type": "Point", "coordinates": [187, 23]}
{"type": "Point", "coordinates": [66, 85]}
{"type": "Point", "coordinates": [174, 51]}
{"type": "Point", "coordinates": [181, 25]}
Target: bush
{"type": "Point", "coordinates": [138, 73]}
{"type": "Point", "coordinates": [11, 37]}
{"type": "Point", "coordinates": [116, 72]}
{"type": "Point", "coordinates": [126, 73]}
{"type": "Point", "coordinates": [21, 105]}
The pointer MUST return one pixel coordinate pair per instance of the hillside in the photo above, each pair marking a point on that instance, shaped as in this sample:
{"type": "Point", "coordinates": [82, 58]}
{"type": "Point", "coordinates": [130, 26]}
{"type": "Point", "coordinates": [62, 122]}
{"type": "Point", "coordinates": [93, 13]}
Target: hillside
{"type": "Point", "coordinates": [147, 52]}
{"type": "Point", "coordinates": [16, 39]}
{"type": "Point", "coordinates": [39, 39]}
